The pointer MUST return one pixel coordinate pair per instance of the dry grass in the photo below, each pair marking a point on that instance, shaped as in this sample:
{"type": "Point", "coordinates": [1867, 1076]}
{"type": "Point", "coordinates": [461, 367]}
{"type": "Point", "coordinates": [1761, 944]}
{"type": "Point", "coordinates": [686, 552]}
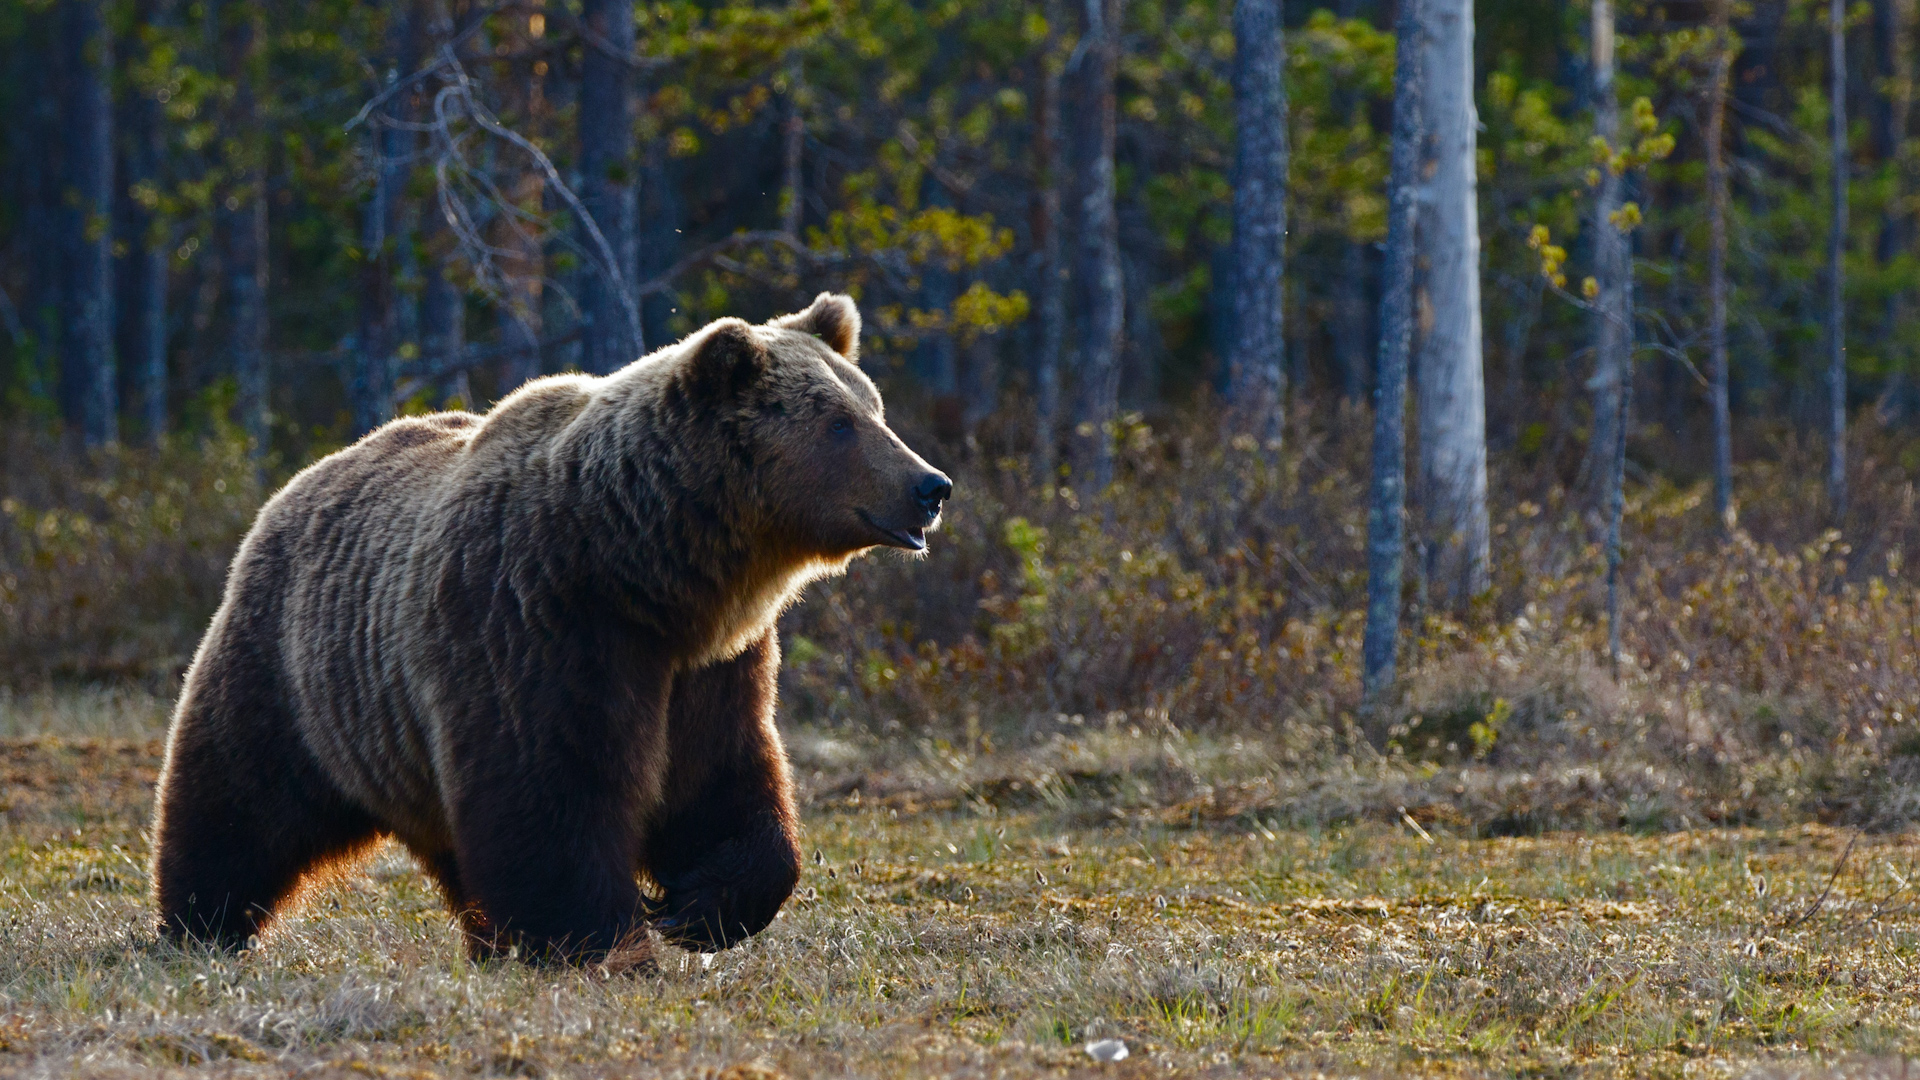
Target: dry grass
{"type": "Point", "coordinates": [973, 913]}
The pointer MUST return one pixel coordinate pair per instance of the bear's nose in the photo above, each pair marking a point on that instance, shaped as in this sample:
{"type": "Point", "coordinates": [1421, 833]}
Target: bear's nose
{"type": "Point", "coordinates": [932, 490]}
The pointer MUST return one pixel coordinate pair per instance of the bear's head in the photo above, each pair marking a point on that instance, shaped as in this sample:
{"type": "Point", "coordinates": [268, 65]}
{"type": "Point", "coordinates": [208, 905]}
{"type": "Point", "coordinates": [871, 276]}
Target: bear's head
{"type": "Point", "coordinates": [824, 474]}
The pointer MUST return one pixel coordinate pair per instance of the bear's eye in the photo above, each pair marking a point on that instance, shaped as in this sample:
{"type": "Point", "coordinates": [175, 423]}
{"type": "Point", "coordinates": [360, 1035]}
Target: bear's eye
{"type": "Point", "coordinates": [840, 426]}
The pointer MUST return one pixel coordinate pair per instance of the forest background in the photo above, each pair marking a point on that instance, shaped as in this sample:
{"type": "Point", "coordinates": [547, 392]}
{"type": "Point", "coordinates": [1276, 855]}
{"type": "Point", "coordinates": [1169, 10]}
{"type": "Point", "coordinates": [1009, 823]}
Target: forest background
{"type": "Point", "coordinates": [237, 234]}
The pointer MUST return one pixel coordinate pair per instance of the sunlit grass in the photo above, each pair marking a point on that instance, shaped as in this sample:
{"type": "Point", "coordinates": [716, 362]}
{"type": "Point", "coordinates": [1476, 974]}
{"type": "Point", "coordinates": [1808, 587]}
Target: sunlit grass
{"type": "Point", "coordinates": [984, 938]}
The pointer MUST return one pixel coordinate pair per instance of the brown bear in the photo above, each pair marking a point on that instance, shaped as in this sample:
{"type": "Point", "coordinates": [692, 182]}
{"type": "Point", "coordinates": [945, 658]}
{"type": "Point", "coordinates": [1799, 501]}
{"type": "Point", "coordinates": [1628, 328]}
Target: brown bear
{"type": "Point", "coordinates": [538, 648]}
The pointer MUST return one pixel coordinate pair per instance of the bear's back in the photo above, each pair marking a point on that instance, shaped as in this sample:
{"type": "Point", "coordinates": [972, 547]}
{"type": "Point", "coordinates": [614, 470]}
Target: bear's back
{"type": "Point", "coordinates": [326, 574]}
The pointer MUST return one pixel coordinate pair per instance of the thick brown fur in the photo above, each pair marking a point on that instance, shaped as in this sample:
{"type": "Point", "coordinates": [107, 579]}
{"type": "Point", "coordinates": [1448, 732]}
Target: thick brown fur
{"type": "Point", "coordinates": [538, 647]}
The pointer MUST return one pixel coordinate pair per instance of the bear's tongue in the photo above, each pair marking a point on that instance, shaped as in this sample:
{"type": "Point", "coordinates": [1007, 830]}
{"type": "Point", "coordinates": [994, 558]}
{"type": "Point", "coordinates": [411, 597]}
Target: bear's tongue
{"type": "Point", "coordinates": [911, 539]}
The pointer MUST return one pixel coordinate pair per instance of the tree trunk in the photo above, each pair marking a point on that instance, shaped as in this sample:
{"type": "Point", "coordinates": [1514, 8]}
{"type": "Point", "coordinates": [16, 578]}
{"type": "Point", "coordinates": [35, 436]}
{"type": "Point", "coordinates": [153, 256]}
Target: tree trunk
{"type": "Point", "coordinates": [1610, 323]}
{"type": "Point", "coordinates": [1259, 181]}
{"type": "Point", "coordinates": [1613, 318]}
{"type": "Point", "coordinates": [1452, 394]}
{"type": "Point", "coordinates": [663, 220]}
{"type": "Point", "coordinates": [1350, 321]}
{"type": "Point", "coordinates": [443, 299]}
{"type": "Point", "coordinates": [519, 256]}
{"type": "Point", "coordinates": [1099, 244]}
{"type": "Point", "coordinates": [88, 391]}
{"type": "Point", "coordinates": [243, 220]}
{"type": "Point", "coordinates": [142, 293]}
{"type": "Point", "coordinates": [383, 232]}
{"type": "Point", "coordinates": [1386, 506]}
{"type": "Point", "coordinates": [1836, 273]}
{"type": "Point", "coordinates": [793, 144]}
{"type": "Point", "coordinates": [1051, 288]}
{"type": "Point", "coordinates": [610, 339]}
{"type": "Point", "coordinates": [1893, 25]}
{"type": "Point", "coordinates": [1717, 266]}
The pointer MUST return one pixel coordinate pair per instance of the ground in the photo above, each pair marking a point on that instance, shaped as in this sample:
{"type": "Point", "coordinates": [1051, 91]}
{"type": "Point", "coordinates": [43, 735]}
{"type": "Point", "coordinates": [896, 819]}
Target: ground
{"type": "Point", "coordinates": [995, 933]}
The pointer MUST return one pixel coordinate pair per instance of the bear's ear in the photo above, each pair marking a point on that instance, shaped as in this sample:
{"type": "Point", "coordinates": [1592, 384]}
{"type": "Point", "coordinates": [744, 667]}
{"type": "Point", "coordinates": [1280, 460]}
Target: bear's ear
{"type": "Point", "coordinates": [832, 318]}
{"type": "Point", "coordinates": [727, 360]}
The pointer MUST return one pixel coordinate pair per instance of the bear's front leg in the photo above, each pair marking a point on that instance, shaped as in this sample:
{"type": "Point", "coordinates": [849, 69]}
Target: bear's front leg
{"type": "Point", "coordinates": [546, 821]}
{"type": "Point", "coordinates": [724, 846]}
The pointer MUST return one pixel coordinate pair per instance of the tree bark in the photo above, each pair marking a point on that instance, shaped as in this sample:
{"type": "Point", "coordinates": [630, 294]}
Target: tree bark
{"type": "Point", "coordinates": [1893, 25]}
{"type": "Point", "coordinates": [1613, 318]}
{"type": "Point", "coordinates": [519, 255]}
{"type": "Point", "coordinates": [1836, 272]}
{"type": "Point", "coordinates": [243, 220]}
{"type": "Point", "coordinates": [1386, 505]}
{"type": "Point", "coordinates": [608, 170]}
{"type": "Point", "coordinates": [142, 293]}
{"type": "Point", "coordinates": [1256, 359]}
{"type": "Point", "coordinates": [1611, 321]}
{"type": "Point", "coordinates": [1350, 321]}
{"type": "Point", "coordinates": [1452, 393]}
{"type": "Point", "coordinates": [1100, 244]}
{"type": "Point", "coordinates": [383, 231]}
{"type": "Point", "coordinates": [88, 383]}
{"type": "Point", "coordinates": [1717, 266]}
{"type": "Point", "coordinates": [1051, 288]}
{"type": "Point", "coordinates": [793, 144]}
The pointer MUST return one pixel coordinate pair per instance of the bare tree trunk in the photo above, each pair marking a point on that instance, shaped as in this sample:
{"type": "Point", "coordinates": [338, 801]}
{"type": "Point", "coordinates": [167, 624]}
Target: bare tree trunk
{"type": "Point", "coordinates": [1836, 273]}
{"type": "Point", "coordinates": [370, 387]}
{"type": "Point", "coordinates": [1893, 25]}
{"type": "Point", "coordinates": [1452, 392]}
{"type": "Point", "coordinates": [793, 145]}
{"type": "Point", "coordinates": [1256, 359]}
{"type": "Point", "coordinates": [1610, 324]}
{"type": "Point", "coordinates": [1613, 319]}
{"type": "Point", "coordinates": [89, 395]}
{"type": "Point", "coordinates": [142, 300]}
{"type": "Point", "coordinates": [1051, 290]}
{"type": "Point", "coordinates": [1100, 243]}
{"type": "Point", "coordinates": [520, 258]}
{"type": "Point", "coordinates": [443, 300]}
{"type": "Point", "coordinates": [1717, 266]}
{"type": "Point", "coordinates": [244, 224]}
{"type": "Point", "coordinates": [608, 170]}
{"type": "Point", "coordinates": [1386, 507]}
{"type": "Point", "coordinates": [1350, 321]}
{"type": "Point", "coordinates": [37, 77]}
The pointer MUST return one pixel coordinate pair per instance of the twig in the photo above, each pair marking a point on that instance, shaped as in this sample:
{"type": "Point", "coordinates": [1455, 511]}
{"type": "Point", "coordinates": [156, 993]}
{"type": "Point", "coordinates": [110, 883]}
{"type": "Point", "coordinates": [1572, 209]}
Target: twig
{"type": "Point", "coordinates": [1821, 900]}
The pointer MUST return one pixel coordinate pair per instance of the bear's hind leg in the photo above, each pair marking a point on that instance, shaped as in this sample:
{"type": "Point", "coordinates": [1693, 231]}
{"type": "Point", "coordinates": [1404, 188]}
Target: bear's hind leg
{"type": "Point", "coordinates": [481, 939]}
{"type": "Point", "coordinates": [243, 814]}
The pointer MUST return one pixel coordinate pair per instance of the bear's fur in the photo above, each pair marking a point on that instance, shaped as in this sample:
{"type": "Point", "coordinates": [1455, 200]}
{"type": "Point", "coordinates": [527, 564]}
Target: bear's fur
{"type": "Point", "coordinates": [538, 648]}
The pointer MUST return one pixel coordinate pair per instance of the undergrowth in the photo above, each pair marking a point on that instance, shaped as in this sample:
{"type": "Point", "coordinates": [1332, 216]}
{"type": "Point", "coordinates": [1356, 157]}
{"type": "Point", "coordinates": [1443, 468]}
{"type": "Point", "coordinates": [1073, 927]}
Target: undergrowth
{"type": "Point", "coordinates": [1769, 672]}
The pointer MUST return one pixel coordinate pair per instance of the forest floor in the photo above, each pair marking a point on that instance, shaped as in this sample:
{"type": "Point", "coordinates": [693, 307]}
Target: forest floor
{"type": "Point", "coordinates": [989, 935]}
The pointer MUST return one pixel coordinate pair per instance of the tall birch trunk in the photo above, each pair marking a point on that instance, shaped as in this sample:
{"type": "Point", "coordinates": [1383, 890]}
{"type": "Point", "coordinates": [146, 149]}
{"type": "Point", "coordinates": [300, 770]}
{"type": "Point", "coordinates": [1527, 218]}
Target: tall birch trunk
{"type": "Point", "coordinates": [1051, 291]}
{"type": "Point", "coordinates": [1613, 320]}
{"type": "Point", "coordinates": [1610, 259]}
{"type": "Point", "coordinates": [1717, 266]}
{"type": "Point", "coordinates": [1836, 272]}
{"type": "Point", "coordinates": [1259, 180]}
{"type": "Point", "coordinates": [1386, 507]}
{"type": "Point", "coordinates": [1451, 387]}
{"type": "Point", "coordinates": [1100, 244]}
{"type": "Point", "coordinates": [1893, 26]}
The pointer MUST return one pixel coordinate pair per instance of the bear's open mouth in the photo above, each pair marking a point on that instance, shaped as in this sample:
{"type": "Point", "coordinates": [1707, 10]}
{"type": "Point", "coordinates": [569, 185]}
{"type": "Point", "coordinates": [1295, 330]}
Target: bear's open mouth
{"type": "Point", "coordinates": [909, 539]}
